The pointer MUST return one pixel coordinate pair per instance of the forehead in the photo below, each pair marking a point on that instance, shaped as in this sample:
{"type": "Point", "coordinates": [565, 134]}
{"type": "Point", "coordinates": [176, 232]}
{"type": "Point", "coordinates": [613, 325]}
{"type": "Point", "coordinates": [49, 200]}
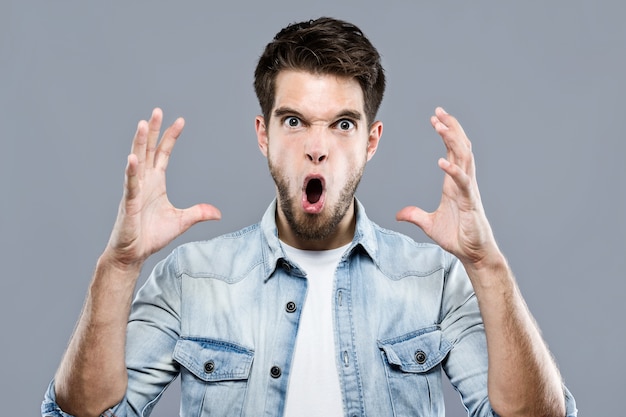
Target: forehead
{"type": "Point", "coordinates": [317, 94]}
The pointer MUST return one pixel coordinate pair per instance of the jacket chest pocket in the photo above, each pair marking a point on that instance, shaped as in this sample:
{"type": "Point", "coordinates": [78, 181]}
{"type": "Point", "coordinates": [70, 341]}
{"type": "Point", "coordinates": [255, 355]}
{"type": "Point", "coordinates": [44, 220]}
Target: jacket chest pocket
{"type": "Point", "coordinates": [413, 369]}
{"type": "Point", "coordinates": [214, 376]}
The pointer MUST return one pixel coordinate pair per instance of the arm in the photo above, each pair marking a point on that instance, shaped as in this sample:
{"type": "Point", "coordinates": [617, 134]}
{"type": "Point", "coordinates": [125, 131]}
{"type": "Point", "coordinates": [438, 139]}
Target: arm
{"type": "Point", "coordinates": [92, 375]}
{"type": "Point", "coordinates": [523, 379]}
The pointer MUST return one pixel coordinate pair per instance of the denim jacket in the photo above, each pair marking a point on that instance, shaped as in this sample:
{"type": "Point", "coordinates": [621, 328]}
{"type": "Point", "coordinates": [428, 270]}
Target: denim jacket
{"type": "Point", "coordinates": [223, 314]}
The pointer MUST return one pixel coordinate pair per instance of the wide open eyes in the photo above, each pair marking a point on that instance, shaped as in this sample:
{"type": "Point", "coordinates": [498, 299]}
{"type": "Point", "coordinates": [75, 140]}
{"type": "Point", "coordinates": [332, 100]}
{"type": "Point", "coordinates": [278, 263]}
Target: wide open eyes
{"type": "Point", "coordinates": [292, 121]}
{"type": "Point", "coordinates": [345, 125]}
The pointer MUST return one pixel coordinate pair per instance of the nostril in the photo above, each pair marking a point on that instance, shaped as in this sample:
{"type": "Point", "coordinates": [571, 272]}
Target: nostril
{"type": "Point", "coordinates": [315, 157]}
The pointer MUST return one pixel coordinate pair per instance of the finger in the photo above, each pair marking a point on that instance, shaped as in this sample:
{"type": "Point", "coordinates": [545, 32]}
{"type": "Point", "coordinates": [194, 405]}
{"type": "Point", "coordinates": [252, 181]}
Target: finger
{"type": "Point", "coordinates": [154, 128]}
{"type": "Point", "coordinates": [452, 126]}
{"type": "Point", "coordinates": [441, 128]}
{"type": "Point", "coordinates": [417, 216]}
{"type": "Point", "coordinates": [458, 175]}
{"type": "Point", "coordinates": [458, 146]}
{"type": "Point", "coordinates": [450, 122]}
{"type": "Point", "coordinates": [131, 183]}
{"type": "Point", "coordinates": [139, 146]}
{"type": "Point", "coordinates": [168, 140]}
{"type": "Point", "coordinates": [199, 213]}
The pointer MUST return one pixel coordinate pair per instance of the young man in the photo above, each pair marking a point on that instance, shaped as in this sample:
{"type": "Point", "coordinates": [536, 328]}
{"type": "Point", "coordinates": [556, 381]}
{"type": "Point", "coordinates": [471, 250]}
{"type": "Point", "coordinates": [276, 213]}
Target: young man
{"type": "Point", "coordinates": [315, 310]}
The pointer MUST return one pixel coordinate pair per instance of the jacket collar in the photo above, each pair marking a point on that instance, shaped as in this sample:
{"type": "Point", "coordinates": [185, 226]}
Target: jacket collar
{"type": "Point", "coordinates": [274, 256]}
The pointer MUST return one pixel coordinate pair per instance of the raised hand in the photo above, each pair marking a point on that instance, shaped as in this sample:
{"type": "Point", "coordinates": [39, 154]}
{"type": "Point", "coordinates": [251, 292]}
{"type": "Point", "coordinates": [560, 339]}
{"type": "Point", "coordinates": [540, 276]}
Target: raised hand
{"type": "Point", "coordinates": [459, 224]}
{"type": "Point", "coordinates": [146, 220]}
{"type": "Point", "coordinates": [522, 374]}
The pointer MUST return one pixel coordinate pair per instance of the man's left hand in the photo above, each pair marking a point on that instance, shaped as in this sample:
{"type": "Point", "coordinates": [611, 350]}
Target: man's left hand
{"type": "Point", "coordinates": [459, 225]}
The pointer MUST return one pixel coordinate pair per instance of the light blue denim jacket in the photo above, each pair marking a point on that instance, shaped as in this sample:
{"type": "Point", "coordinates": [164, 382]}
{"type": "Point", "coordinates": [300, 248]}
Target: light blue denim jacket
{"type": "Point", "coordinates": [224, 315]}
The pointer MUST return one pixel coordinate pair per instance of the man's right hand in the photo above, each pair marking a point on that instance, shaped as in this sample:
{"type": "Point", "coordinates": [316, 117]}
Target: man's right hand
{"type": "Point", "coordinates": [92, 375]}
{"type": "Point", "coordinates": [147, 221]}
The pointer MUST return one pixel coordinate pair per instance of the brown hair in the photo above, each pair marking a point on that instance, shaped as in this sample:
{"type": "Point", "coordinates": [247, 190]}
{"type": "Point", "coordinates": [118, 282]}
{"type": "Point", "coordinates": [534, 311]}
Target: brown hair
{"type": "Point", "coordinates": [321, 46]}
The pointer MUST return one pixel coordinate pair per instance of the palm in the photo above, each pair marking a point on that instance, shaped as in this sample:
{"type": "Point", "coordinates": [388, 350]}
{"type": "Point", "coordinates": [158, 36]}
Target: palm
{"type": "Point", "coordinates": [147, 221]}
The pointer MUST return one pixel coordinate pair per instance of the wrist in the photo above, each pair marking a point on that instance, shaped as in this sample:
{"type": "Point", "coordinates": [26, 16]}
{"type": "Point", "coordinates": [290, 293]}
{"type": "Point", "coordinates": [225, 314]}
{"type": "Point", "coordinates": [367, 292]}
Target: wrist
{"type": "Point", "coordinates": [112, 264]}
{"type": "Point", "coordinates": [491, 270]}
{"type": "Point", "coordinates": [492, 261]}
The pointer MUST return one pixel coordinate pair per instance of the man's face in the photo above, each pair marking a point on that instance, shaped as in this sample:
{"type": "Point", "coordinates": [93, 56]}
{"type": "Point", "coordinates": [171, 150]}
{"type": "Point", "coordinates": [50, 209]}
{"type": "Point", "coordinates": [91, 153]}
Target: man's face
{"type": "Point", "coordinates": [317, 143]}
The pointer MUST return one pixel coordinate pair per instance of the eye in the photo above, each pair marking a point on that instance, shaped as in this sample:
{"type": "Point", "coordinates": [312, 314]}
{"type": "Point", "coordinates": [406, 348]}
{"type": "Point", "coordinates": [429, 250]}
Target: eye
{"type": "Point", "coordinates": [292, 121]}
{"type": "Point", "coordinates": [345, 124]}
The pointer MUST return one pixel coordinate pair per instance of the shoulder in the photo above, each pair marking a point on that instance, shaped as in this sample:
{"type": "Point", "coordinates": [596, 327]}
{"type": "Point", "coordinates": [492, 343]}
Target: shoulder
{"type": "Point", "coordinates": [230, 256]}
{"type": "Point", "coordinates": [400, 255]}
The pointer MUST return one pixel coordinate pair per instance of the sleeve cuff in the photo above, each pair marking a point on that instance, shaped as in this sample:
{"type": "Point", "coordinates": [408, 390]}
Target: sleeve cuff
{"type": "Point", "coordinates": [49, 407]}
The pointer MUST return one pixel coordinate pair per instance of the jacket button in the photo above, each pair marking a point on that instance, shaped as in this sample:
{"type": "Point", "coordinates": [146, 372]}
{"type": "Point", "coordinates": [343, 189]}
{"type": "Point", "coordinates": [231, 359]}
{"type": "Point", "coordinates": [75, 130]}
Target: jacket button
{"type": "Point", "coordinates": [275, 372]}
{"type": "Point", "coordinates": [420, 357]}
{"type": "Point", "coordinates": [209, 367]}
{"type": "Point", "coordinates": [291, 307]}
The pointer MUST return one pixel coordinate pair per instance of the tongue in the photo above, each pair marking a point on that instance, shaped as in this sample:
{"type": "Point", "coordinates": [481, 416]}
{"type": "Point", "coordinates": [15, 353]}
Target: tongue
{"type": "Point", "coordinates": [314, 191]}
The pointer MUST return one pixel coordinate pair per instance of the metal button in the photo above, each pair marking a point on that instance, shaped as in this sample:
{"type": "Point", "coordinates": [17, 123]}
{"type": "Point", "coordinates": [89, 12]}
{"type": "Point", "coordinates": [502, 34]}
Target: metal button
{"type": "Point", "coordinates": [291, 307]}
{"type": "Point", "coordinates": [275, 372]}
{"type": "Point", "coordinates": [420, 357]}
{"type": "Point", "coordinates": [209, 367]}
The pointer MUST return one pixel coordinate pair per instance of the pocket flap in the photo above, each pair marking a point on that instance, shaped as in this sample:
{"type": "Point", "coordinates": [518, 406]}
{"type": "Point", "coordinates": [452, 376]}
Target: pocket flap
{"type": "Point", "coordinates": [214, 360]}
{"type": "Point", "coordinates": [418, 351]}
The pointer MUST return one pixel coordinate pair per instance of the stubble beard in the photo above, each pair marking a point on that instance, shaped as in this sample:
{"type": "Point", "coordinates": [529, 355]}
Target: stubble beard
{"type": "Point", "coordinates": [314, 227]}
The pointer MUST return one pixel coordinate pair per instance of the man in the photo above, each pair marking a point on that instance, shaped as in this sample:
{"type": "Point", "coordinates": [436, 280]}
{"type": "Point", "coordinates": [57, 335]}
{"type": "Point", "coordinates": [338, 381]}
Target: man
{"type": "Point", "coordinates": [315, 310]}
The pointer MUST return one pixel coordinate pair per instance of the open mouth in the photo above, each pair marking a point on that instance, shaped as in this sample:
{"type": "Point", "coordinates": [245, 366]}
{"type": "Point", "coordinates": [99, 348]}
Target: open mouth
{"type": "Point", "coordinates": [313, 195]}
{"type": "Point", "coordinates": [314, 190]}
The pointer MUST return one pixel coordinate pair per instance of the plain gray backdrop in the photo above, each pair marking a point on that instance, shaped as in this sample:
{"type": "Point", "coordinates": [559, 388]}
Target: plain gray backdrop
{"type": "Point", "coordinates": [538, 86]}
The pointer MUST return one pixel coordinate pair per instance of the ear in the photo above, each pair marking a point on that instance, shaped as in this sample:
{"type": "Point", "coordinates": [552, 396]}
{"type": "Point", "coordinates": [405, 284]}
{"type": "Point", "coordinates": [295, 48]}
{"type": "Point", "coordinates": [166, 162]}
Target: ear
{"type": "Point", "coordinates": [261, 134]}
{"type": "Point", "coordinates": [376, 131]}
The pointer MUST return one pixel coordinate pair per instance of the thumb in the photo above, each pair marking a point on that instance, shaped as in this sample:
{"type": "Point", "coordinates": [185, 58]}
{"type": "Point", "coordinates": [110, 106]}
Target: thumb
{"type": "Point", "coordinates": [415, 215]}
{"type": "Point", "coordinates": [199, 213]}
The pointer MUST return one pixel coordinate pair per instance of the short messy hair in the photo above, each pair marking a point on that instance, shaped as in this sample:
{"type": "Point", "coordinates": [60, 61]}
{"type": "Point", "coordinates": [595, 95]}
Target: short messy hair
{"type": "Point", "coordinates": [322, 46]}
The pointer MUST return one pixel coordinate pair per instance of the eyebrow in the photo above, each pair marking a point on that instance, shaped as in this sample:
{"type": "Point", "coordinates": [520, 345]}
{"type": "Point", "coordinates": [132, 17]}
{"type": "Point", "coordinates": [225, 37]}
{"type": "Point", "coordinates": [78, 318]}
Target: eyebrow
{"type": "Point", "coordinates": [284, 111]}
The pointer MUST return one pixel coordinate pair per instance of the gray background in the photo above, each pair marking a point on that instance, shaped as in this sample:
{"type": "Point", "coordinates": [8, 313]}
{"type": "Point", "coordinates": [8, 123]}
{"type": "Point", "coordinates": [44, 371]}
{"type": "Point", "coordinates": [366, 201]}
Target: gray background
{"type": "Point", "coordinates": [538, 86]}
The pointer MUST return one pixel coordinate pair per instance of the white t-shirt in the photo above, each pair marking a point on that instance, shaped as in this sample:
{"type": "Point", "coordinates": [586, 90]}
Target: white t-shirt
{"type": "Point", "coordinates": [314, 380]}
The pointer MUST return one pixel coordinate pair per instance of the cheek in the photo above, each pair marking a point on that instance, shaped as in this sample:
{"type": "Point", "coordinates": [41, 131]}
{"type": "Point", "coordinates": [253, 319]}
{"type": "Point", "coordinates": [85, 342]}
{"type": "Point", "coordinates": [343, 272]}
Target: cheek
{"type": "Point", "coordinates": [355, 159]}
{"type": "Point", "coordinates": [349, 168]}
{"type": "Point", "coordinates": [278, 158]}
{"type": "Point", "coordinates": [281, 168]}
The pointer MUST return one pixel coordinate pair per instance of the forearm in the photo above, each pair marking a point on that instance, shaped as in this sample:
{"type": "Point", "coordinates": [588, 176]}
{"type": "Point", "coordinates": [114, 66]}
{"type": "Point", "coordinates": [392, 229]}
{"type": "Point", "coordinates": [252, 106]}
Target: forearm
{"type": "Point", "coordinates": [92, 376]}
{"type": "Point", "coordinates": [523, 378]}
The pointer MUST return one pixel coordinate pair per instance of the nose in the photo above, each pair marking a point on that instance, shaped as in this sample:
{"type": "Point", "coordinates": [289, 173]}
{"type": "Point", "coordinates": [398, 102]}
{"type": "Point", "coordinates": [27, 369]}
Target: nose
{"type": "Point", "coordinates": [317, 148]}
{"type": "Point", "coordinates": [315, 157]}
